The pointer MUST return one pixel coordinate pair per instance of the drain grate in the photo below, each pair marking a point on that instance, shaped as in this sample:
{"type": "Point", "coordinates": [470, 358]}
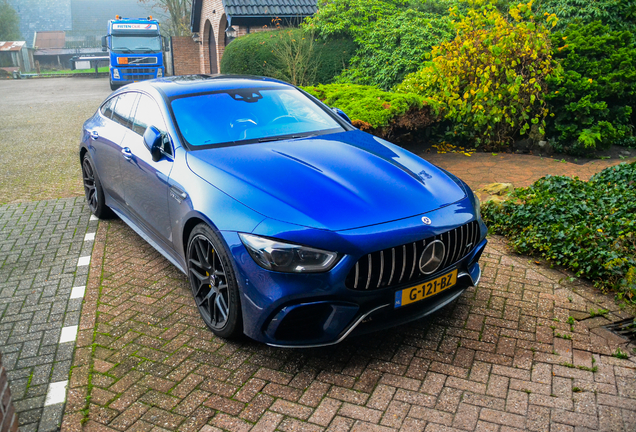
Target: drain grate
{"type": "Point", "coordinates": [625, 328]}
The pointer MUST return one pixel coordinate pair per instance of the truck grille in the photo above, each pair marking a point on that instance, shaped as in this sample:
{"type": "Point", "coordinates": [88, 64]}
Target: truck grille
{"type": "Point", "coordinates": [138, 74]}
{"type": "Point", "coordinates": [397, 265]}
{"type": "Point", "coordinates": [142, 60]}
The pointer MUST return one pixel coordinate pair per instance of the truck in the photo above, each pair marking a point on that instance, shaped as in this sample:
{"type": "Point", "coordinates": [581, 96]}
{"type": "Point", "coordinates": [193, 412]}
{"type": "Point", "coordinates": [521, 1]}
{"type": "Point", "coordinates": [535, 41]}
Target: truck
{"type": "Point", "coordinates": [136, 50]}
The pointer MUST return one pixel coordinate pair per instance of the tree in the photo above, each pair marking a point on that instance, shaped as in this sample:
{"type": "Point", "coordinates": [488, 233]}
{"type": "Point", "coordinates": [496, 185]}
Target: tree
{"type": "Point", "coordinates": [178, 12]}
{"type": "Point", "coordinates": [9, 23]}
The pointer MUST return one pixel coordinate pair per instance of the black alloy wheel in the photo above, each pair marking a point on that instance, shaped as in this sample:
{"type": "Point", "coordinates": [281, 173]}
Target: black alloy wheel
{"type": "Point", "coordinates": [213, 283]}
{"type": "Point", "coordinates": [93, 189]}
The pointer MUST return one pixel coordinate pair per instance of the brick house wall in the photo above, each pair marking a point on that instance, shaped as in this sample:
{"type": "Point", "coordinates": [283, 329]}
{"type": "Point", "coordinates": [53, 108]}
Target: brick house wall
{"type": "Point", "coordinates": [185, 53]}
{"type": "Point", "coordinates": [8, 418]}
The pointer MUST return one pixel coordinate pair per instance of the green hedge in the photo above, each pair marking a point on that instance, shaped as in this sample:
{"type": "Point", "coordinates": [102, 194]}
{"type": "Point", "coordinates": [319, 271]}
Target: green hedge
{"type": "Point", "coordinates": [593, 100]}
{"type": "Point", "coordinates": [378, 111]}
{"type": "Point", "coordinates": [588, 227]}
{"type": "Point", "coordinates": [396, 47]}
{"type": "Point", "coordinates": [250, 55]}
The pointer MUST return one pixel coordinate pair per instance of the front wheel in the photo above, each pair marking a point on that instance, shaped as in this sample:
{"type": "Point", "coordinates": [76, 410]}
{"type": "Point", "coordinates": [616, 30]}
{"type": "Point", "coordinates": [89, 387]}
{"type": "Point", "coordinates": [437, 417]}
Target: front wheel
{"type": "Point", "coordinates": [93, 190]}
{"type": "Point", "coordinates": [113, 86]}
{"type": "Point", "coordinates": [213, 283]}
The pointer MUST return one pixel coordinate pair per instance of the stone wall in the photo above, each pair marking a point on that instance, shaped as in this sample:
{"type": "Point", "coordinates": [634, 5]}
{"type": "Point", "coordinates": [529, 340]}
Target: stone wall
{"type": "Point", "coordinates": [8, 418]}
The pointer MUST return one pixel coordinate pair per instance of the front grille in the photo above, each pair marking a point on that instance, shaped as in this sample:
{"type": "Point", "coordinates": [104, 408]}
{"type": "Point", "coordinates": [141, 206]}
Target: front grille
{"type": "Point", "coordinates": [142, 60]}
{"type": "Point", "coordinates": [397, 265]}
{"type": "Point", "coordinates": [138, 74]}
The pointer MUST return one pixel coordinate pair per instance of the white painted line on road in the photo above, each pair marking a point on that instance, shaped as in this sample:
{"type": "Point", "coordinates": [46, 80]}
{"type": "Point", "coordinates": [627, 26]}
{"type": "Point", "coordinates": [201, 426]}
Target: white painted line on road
{"type": "Point", "coordinates": [78, 292]}
{"type": "Point", "coordinates": [84, 261]}
{"type": "Point", "coordinates": [56, 393]}
{"type": "Point", "coordinates": [93, 217]}
{"type": "Point", "coordinates": [69, 334]}
{"type": "Point", "coordinates": [89, 237]}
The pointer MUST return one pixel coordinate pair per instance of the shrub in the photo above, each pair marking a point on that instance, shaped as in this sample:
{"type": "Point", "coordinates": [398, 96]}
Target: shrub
{"type": "Point", "coordinates": [395, 47]}
{"type": "Point", "coordinates": [593, 100]}
{"type": "Point", "coordinates": [251, 54]}
{"type": "Point", "coordinates": [294, 58]}
{"type": "Point", "coordinates": [491, 77]}
{"type": "Point", "coordinates": [618, 14]}
{"type": "Point", "coordinates": [377, 111]}
{"type": "Point", "coordinates": [350, 18]}
{"type": "Point", "coordinates": [588, 227]}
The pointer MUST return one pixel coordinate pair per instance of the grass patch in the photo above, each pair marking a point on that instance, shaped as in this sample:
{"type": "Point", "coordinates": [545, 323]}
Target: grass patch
{"type": "Point", "coordinates": [102, 69]}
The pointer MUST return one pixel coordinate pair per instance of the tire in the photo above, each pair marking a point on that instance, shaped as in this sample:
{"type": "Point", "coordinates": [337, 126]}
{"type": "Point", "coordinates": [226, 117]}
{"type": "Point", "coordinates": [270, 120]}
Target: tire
{"type": "Point", "coordinates": [213, 283]}
{"type": "Point", "coordinates": [93, 190]}
{"type": "Point", "coordinates": [113, 86]}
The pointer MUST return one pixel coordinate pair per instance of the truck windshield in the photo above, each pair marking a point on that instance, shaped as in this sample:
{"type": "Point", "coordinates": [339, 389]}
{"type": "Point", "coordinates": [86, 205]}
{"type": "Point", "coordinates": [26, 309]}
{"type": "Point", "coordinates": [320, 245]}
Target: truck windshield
{"type": "Point", "coordinates": [135, 44]}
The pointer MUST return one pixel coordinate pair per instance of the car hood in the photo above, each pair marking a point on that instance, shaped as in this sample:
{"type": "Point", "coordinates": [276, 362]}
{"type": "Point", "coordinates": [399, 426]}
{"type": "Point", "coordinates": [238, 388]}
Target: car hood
{"type": "Point", "coordinates": [336, 182]}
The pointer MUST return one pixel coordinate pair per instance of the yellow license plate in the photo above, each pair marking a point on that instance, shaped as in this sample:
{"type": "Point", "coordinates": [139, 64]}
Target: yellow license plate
{"type": "Point", "coordinates": [427, 289]}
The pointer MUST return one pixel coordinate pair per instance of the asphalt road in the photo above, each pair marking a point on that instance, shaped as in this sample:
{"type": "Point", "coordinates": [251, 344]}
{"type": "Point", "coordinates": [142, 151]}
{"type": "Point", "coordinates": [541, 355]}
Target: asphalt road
{"type": "Point", "coordinates": [40, 126]}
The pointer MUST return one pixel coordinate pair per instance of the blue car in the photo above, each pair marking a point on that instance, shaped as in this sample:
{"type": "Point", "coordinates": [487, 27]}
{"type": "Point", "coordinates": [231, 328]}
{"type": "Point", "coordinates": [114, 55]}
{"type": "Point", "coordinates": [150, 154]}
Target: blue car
{"type": "Point", "coordinates": [293, 227]}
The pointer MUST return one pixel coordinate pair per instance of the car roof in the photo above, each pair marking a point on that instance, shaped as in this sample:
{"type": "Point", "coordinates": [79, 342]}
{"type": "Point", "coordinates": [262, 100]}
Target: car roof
{"type": "Point", "coordinates": [181, 85]}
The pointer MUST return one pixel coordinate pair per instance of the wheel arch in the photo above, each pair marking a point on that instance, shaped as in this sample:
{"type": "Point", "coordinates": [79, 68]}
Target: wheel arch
{"type": "Point", "coordinates": [187, 230]}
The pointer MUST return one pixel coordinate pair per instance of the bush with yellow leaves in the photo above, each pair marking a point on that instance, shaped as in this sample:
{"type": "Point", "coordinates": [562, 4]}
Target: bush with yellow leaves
{"type": "Point", "coordinates": [491, 78]}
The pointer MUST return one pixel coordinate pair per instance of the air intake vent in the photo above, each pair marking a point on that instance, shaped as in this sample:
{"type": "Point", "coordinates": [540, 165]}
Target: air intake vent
{"type": "Point", "coordinates": [400, 264]}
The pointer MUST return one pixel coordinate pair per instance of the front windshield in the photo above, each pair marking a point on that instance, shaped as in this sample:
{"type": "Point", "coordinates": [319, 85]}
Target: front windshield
{"type": "Point", "coordinates": [136, 44]}
{"type": "Point", "coordinates": [249, 115]}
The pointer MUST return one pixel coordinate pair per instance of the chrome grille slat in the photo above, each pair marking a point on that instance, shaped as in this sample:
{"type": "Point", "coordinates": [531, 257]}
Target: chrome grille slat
{"type": "Point", "coordinates": [455, 241]}
{"type": "Point", "coordinates": [355, 283]}
{"type": "Point", "coordinates": [392, 266]}
{"type": "Point", "coordinates": [414, 260]}
{"type": "Point", "coordinates": [369, 272]}
{"type": "Point", "coordinates": [403, 263]}
{"type": "Point", "coordinates": [381, 269]}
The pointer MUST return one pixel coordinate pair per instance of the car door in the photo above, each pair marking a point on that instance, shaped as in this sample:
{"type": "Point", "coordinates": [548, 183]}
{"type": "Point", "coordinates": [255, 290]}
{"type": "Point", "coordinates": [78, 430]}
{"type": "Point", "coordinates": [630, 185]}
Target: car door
{"type": "Point", "coordinates": [106, 136]}
{"type": "Point", "coordinates": [146, 181]}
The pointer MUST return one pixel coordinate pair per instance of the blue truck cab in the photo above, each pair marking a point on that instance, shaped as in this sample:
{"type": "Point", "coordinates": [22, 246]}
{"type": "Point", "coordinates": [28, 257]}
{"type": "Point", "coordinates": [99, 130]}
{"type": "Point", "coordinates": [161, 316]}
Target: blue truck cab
{"type": "Point", "coordinates": [135, 48]}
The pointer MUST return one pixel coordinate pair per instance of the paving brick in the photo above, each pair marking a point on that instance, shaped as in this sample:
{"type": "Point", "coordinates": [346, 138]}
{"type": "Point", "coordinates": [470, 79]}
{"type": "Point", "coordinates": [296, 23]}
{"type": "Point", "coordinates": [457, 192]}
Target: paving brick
{"type": "Point", "coordinates": [325, 412]}
{"type": "Point", "coordinates": [437, 375]}
{"type": "Point", "coordinates": [40, 243]}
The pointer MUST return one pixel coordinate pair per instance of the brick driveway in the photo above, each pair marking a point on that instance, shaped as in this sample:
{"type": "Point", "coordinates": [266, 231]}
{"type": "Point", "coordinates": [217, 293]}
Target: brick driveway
{"type": "Point", "coordinates": [502, 358]}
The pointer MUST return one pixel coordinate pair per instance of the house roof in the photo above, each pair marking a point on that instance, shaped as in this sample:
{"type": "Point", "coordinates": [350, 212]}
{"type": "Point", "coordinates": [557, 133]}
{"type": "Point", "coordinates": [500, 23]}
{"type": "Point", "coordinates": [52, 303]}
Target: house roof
{"type": "Point", "coordinates": [257, 9]}
{"type": "Point", "coordinates": [50, 39]}
{"type": "Point", "coordinates": [273, 8]}
{"type": "Point", "coordinates": [12, 46]}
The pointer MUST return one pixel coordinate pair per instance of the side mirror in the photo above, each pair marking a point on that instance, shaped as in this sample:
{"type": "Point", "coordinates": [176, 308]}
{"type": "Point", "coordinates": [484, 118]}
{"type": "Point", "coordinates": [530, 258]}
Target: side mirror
{"type": "Point", "coordinates": [104, 43]}
{"type": "Point", "coordinates": [153, 140]}
{"type": "Point", "coordinates": [166, 45]}
{"type": "Point", "coordinates": [342, 114]}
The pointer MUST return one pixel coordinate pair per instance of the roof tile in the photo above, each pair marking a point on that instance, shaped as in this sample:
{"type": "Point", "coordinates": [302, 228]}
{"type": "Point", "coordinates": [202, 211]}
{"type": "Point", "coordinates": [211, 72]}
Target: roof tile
{"type": "Point", "coordinates": [270, 7]}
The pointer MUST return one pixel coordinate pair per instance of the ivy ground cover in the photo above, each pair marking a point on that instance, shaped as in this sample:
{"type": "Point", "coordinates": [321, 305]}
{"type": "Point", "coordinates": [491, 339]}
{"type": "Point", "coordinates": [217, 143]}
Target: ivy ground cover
{"type": "Point", "coordinates": [587, 227]}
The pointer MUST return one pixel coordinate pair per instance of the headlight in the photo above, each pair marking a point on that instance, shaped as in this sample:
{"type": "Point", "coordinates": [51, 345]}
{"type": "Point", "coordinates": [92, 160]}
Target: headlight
{"type": "Point", "coordinates": [287, 257]}
{"type": "Point", "coordinates": [477, 206]}
{"type": "Point", "coordinates": [159, 73]}
{"type": "Point", "coordinates": [116, 73]}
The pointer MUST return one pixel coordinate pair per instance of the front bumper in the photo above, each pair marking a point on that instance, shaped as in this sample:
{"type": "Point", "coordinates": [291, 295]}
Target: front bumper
{"type": "Point", "coordinates": [311, 310]}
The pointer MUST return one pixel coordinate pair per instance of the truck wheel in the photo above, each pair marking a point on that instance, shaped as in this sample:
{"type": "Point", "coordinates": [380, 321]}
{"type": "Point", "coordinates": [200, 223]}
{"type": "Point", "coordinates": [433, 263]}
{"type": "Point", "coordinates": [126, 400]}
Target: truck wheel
{"type": "Point", "coordinates": [113, 86]}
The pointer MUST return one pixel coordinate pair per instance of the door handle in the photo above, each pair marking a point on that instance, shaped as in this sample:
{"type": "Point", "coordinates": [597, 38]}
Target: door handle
{"type": "Point", "coordinates": [94, 135]}
{"type": "Point", "coordinates": [127, 153]}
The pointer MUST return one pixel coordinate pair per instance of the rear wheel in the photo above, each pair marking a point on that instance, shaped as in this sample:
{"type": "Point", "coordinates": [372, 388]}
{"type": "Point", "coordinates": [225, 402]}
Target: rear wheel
{"type": "Point", "coordinates": [93, 190]}
{"type": "Point", "coordinates": [213, 283]}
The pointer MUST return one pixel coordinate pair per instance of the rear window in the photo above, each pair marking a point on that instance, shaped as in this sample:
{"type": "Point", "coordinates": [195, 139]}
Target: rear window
{"type": "Point", "coordinates": [249, 115]}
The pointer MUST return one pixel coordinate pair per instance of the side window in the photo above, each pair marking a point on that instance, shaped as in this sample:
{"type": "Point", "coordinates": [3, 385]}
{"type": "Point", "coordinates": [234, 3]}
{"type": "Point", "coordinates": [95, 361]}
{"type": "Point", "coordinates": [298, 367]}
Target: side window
{"type": "Point", "coordinates": [148, 114]}
{"type": "Point", "coordinates": [107, 108]}
{"type": "Point", "coordinates": [123, 108]}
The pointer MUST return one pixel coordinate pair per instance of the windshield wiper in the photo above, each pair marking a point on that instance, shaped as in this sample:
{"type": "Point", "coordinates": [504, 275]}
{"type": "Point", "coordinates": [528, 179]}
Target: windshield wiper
{"type": "Point", "coordinates": [280, 138]}
{"type": "Point", "coordinates": [146, 49]}
{"type": "Point", "coordinates": [124, 49]}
